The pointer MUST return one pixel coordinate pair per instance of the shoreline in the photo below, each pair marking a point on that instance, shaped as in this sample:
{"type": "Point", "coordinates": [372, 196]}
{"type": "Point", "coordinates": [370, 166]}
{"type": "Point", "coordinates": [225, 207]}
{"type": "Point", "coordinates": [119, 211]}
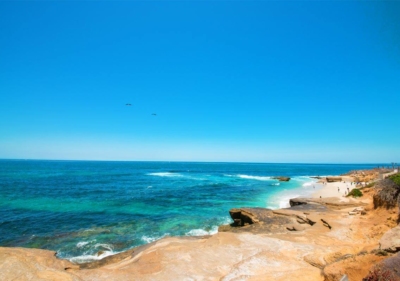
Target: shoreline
{"type": "Point", "coordinates": [303, 251]}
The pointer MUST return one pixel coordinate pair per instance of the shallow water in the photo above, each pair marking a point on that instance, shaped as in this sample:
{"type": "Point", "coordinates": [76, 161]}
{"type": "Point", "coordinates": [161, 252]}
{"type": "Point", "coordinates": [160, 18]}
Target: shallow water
{"type": "Point", "coordinates": [87, 210]}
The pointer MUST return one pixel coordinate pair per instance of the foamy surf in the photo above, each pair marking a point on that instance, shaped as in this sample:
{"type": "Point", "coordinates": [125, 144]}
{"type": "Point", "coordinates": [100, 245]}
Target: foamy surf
{"type": "Point", "coordinates": [249, 177]}
{"type": "Point", "coordinates": [149, 239]}
{"type": "Point", "coordinates": [306, 186]}
{"type": "Point", "coordinates": [202, 232]}
{"type": "Point", "coordinates": [165, 174]}
{"type": "Point", "coordinates": [103, 250]}
{"type": "Point", "coordinates": [81, 244]}
{"type": "Point", "coordinates": [90, 258]}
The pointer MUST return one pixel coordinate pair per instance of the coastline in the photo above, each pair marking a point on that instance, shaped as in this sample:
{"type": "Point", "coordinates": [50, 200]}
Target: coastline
{"type": "Point", "coordinates": [249, 252]}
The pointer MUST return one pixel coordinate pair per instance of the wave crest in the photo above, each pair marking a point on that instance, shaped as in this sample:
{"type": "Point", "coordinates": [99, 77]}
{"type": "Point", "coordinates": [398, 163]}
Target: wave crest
{"type": "Point", "coordinates": [165, 174]}
{"type": "Point", "coordinates": [259, 178]}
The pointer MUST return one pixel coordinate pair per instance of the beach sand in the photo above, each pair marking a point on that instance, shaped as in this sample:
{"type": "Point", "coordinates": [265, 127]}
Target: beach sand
{"type": "Point", "coordinates": [340, 189]}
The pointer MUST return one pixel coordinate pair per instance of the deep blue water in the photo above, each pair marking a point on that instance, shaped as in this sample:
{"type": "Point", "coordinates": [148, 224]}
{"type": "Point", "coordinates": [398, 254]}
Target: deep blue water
{"type": "Point", "coordinates": [79, 208]}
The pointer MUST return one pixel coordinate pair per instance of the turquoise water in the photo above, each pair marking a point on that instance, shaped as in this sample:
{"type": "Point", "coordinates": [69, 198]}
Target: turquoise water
{"type": "Point", "coordinates": [87, 210]}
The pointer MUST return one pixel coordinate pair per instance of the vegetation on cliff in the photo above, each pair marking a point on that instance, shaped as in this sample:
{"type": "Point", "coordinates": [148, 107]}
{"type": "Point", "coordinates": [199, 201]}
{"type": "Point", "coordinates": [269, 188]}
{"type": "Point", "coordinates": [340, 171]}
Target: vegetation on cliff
{"type": "Point", "coordinates": [387, 193]}
{"type": "Point", "coordinates": [395, 178]}
{"type": "Point", "coordinates": [355, 193]}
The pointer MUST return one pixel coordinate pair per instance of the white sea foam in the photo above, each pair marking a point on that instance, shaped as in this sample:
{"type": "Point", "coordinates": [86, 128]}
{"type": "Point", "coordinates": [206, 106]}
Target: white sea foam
{"type": "Point", "coordinates": [105, 246]}
{"type": "Point", "coordinates": [81, 244]}
{"type": "Point", "coordinates": [165, 174]}
{"type": "Point", "coordinates": [305, 188]}
{"type": "Point", "coordinates": [259, 178]}
{"type": "Point", "coordinates": [202, 232]}
{"type": "Point", "coordinates": [149, 239]}
{"type": "Point", "coordinates": [103, 250]}
{"type": "Point", "coordinates": [309, 184]}
{"type": "Point", "coordinates": [87, 258]}
{"type": "Point", "coordinates": [276, 184]}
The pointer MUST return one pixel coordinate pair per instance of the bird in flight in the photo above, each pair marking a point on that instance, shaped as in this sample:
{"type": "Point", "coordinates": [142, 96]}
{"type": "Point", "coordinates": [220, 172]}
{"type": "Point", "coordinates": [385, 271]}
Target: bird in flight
{"type": "Point", "coordinates": [154, 114]}
{"type": "Point", "coordinates": [128, 104]}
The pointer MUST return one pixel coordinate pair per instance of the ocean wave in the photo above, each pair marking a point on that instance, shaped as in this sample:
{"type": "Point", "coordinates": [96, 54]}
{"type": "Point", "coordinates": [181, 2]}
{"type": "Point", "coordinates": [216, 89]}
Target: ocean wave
{"type": "Point", "coordinates": [165, 174]}
{"type": "Point", "coordinates": [105, 246]}
{"type": "Point", "coordinates": [149, 239]}
{"type": "Point", "coordinates": [88, 258]}
{"type": "Point", "coordinates": [308, 184]}
{"type": "Point", "coordinates": [275, 184]}
{"type": "Point", "coordinates": [178, 175]}
{"type": "Point", "coordinates": [202, 232]}
{"type": "Point", "coordinates": [249, 177]}
{"type": "Point", "coordinates": [81, 244]}
{"type": "Point", "coordinates": [104, 251]}
{"type": "Point", "coordinates": [85, 243]}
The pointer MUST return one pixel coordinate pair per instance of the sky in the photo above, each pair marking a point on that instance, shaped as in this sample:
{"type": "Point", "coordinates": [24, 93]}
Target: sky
{"type": "Point", "coordinates": [242, 81]}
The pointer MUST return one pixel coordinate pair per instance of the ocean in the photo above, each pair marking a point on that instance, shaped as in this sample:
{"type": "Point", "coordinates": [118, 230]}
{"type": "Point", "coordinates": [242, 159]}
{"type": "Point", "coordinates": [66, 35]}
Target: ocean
{"type": "Point", "coordinates": [86, 210]}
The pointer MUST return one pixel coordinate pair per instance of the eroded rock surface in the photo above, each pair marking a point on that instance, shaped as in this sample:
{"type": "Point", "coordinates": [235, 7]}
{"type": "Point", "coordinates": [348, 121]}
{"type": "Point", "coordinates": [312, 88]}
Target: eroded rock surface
{"type": "Point", "coordinates": [34, 264]}
{"type": "Point", "coordinates": [390, 241]}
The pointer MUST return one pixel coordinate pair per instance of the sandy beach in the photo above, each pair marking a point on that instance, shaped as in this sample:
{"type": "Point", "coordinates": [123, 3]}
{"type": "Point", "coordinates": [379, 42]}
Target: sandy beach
{"type": "Point", "coordinates": [334, 189]}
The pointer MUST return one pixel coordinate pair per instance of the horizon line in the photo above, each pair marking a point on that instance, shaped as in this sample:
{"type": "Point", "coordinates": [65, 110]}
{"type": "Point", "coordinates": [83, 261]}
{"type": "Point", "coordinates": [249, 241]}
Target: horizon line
{"type": "Point", "coordinates": [201, 161]}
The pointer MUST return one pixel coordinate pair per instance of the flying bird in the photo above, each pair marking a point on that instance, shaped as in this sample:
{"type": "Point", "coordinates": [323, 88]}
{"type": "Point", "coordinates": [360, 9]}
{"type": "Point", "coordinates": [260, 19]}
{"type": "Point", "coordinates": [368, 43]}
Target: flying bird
{"type": "Point", "coordinates": [154, 114]}
{"type": "Point", "coordinates": [128, 104]}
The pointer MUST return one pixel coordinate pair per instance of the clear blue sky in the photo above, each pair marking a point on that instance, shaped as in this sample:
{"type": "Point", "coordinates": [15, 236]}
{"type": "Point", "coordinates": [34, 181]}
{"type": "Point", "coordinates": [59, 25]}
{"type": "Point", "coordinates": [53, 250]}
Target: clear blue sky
{"type": "Point", "coordinates": [262, 81]}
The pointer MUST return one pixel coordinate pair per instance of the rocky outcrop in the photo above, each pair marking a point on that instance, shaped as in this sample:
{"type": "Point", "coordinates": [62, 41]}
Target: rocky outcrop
{"type": "Point", "coordinates": [387, 269]}
{"type": "Point", "coordinates": [256, 220]}
{"type": "Point", "coordinates": [333, 179]}
{"type": "Point", "coordinates": [34, 264]}
{"type": "Point", "coordinates": [282, 178]}
{"type": "Point", "coordinates": [242, 217]}
{"type": "Point", "coordinates": [298, 218]}
{"type": "Point", "coordinates": [387, 195]}
{"type": "Point", "coordinates": [329, 201]}
{"type": "Point", "coordinates": [390, 241]}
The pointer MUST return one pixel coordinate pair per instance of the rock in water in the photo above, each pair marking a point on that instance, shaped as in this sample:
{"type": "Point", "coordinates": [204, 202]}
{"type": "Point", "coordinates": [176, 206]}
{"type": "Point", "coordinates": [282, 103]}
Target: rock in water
{"type": "Point", "coordinates": [282, 178]}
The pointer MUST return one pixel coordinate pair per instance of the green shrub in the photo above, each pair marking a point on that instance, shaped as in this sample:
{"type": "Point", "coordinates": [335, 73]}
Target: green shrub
{"type": "Point", "coordinates": [355, 193]}
{"type": "Point", "coordinates": [395, 178]}
{"type": "Point", "coordinates": [371, 184]}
